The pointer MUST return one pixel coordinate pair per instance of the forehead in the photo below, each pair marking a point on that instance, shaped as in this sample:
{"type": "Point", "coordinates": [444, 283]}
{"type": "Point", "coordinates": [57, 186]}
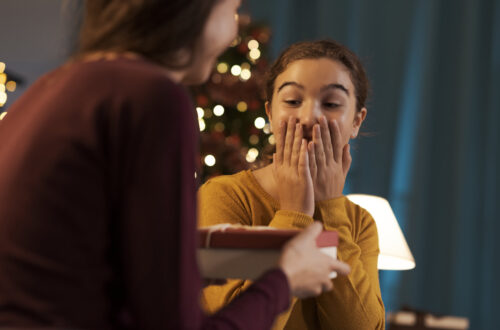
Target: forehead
{"type": "Point", "coordinates": [316, 73]}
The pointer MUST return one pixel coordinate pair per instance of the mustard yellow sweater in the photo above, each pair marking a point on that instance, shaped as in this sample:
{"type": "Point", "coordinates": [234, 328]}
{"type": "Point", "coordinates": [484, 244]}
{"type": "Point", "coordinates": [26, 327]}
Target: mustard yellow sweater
{"type": "Point", "coordinates": [354, 303]}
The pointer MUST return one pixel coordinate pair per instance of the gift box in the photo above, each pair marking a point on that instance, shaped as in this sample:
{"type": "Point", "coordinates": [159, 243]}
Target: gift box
{"type": "Point", "coordinates": [242, 252]}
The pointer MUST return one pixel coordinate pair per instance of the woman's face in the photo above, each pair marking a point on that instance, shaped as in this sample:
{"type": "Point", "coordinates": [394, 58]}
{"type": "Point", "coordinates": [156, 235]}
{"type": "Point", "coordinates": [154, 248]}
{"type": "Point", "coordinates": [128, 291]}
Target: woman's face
{"type": "Point", "coordinates": [220, 30]}
{"type": "Point", "coordinates": [311, 88]}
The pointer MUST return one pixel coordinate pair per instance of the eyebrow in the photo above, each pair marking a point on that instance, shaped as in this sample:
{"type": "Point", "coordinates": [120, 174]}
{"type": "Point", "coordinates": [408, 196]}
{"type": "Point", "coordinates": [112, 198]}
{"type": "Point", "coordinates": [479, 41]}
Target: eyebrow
{"type": "Point", "coordinates": [292, 83]}
{"type": "Point", "coordinates": [336, 86]}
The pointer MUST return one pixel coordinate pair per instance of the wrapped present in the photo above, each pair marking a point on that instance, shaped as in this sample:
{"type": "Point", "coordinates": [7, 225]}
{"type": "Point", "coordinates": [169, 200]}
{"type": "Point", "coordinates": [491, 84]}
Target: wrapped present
{"type": "Point", "coordinates": [242, 252]}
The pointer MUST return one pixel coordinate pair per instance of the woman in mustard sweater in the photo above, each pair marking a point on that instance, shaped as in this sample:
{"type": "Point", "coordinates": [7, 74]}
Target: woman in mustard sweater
{"type": "Point", "coordinates": [316, 94]}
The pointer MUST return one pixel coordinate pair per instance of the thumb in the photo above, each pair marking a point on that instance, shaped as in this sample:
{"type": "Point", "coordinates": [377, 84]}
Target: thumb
{"type": "Point", "coordinates": [310, 233]}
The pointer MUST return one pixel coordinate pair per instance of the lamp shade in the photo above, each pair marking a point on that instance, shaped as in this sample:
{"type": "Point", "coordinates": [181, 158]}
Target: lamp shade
{"type": "Point", "coordinates": [394, 251]}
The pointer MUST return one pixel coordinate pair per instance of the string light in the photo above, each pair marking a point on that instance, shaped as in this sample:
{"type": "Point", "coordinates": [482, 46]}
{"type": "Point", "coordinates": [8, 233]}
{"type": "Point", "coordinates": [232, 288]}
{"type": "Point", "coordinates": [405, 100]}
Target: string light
{"type": "Point", "coordinates": [222, 67]}
{"type": "Point", "coordinates": [254, 54]}
{"type": "Point", "coordinates": [254, 139]}
{"type": "Point", "coordinates": [2, 67]}
{"type": "Point", "coordinates": [219, 127]}
{"type": "Point", "coordinates": [253, 44]}
{"type": "Point", "coordinates": [3, 78]}
{"type": "Point", "coordinates": [3, 98]}
{"type": "Point", "coordinates": [202, 124]}
{"type": "Point", "coordinates": [267, 128]}
{"type": "Point", "coordinates": [2, 115]}
{"type": "Point", "coordinates": [271, 139]}
{"type": "Point", "coordinates": [11, 86]}
{"type": "Point", "coordinates": [242, 106]}
{"type": "Point", "coordinates": [209, 160]}
{"type": "Point", "coordinates": [260, 122]}
{"type": "Point", "coordinates": [245, 74]}
{"type": "Point", "coordinates": [252, 155]}
{"type": "Point", "coordinates": [200, 112]}
{"type": "Point", "coordinates": [235, 70]}
{"type": "Point", "coordinates": [218, 110]}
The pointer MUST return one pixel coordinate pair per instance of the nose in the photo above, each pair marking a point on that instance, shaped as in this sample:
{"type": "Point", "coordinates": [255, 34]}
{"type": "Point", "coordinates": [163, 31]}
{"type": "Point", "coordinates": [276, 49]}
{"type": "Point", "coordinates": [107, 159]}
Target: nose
{"type": "Point", "coordinates": [309, 115]}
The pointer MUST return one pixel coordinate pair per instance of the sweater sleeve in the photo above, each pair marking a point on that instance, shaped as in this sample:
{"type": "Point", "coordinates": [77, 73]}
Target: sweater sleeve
{"type": "Point", "coordinates": [355, 302]}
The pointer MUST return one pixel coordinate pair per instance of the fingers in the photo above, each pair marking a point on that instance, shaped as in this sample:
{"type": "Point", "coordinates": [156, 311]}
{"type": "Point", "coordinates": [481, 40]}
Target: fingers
{"type": "Point", "coordinates": [303, 162]}
{"type": "Point", "coordinates": [297, 146]}
{"type": "Point", "coordinates": [336, 140]}
{"type": "Point", "coordinates": [309, 234]}
{"type": "Point", "coordinates": [346, 159]}
{"type": "Point", "coordinates": [327, 140]}
{"type": "Point", "coordinates": [290, 133]}
{"type": "Point", "coordinates": [318, 147]}
{"type": "Point", "coordinates": [280, 142]}
{"type": "Point", "coordinates": [312, 160]}
{"type": "Point", "coordinates": [340, 267]}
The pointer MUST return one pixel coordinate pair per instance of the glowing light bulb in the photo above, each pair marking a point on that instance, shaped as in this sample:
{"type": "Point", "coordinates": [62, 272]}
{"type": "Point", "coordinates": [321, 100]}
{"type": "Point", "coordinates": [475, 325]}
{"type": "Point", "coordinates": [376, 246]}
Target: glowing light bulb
{"type": "Point", "coordinates": [3, 98]}
{"type": "Point", "coordinates": [260, 122]}
{"type": "Point", "coordinates": [245, 74]}
{"type": "Point", "coordinates": [202, 124]}
{"type": "Point", "coordinates": [3, 114]}
{"type": "Point", "coordinates": [254, 139]}
{"type": "Point", "coordinates": [267, 128]}
{"type": "Point", "coordinates": [242, 106]}
{"type": "Point", "coordinates": [235, 70]}
{"type": "Point", "coordinates": [209, 160]}
{"type": "Point", "coordinates": [271, 139]}
{"type": "Point", "coordinates": [222, 67]}
{"type": "Point", "coordinates": [2, 67]}
{"type": "Point", "coordinates": [253, 44]}
{"type": "Point", "coordinates": [252, 155]}
{"type": "Point", "coordinates": [218, 110]}
{"type": "Point", "coordinates": [11, 86]}
{"type": "Point", "coordinates": [254, 54]}
{"type": "Point", "coordinates": [200, 112]}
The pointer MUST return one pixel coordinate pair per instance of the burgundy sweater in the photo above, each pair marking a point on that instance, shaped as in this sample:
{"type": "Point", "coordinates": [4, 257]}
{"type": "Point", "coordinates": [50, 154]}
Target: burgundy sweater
{"type": "Point", "coordinates": [97, 207]}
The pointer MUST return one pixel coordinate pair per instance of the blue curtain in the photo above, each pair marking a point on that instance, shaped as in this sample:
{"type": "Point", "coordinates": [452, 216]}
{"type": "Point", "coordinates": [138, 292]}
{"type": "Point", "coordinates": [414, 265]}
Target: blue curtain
{"type": "Point", "coordinates": [433, 145]}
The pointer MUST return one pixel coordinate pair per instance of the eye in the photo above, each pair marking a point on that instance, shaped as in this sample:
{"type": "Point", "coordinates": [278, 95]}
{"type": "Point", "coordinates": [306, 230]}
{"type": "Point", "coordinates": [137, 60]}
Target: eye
{"type": "Point", "coordinates": [331, 105]}
{"type": "Point", "coordinates": [293, 102]}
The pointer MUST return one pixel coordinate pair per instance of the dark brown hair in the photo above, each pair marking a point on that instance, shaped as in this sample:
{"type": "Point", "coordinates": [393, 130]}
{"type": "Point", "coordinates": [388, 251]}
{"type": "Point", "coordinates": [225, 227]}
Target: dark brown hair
{"type": "Point", "coordinates": [155, 29]}
{"type": "Point", "coordinates": [321, 49]}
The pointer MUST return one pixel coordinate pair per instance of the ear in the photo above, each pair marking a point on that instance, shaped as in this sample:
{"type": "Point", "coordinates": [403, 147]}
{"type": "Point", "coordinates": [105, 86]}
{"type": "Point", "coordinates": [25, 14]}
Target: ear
{"type": "Point", "coordinates": [267, 105]}
{"type": "Point", "coordinates": [359, 117]}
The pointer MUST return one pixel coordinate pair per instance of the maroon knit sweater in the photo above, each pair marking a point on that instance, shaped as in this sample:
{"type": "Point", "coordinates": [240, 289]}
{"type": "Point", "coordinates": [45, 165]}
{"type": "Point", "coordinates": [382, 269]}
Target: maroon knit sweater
{"type": "Point", "coordinates": [98, 207]}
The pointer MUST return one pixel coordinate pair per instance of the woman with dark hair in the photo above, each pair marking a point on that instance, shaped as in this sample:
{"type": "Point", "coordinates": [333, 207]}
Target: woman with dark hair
{"type": "Point", "coordinates": [316, 94]}
{"type": "Point", "coordinates": [97, 182]}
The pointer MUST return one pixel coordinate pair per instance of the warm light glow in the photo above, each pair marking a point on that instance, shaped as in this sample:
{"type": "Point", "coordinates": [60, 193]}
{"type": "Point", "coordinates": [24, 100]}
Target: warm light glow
{"type": "Point", "coordinates": [245, 74]}
{"type": "Point", "coordinates": [202, 124]}
{"type": "Point", "coordinates": [2, 115]}
{"type": "Point", "coordinates": [2, 67]}
{"type": "Point", "coordinates": [394, 251]}
{"type": "Point", "coordinates": [252, 155]}
{"type": "Point", "coordinates": [235, 70]}
{"type": "Point", "coordinates": [236, 41]}
{"type": "Point", "coordinates": [271, 139]}
{"type": "Point", "coordinates": [219, 127]}
{"type": "Point", "coordinates": [260, 122]}
{"type": "Point", "coordinates": [218, 110]}
{"type": "Point", "coordinates": [254, 54]}
{"type": "Point", "coordinates": [252, 44]}
{"type": "Point", "coordinates": [245, 65]}
{"type": "Point", "coordinates": [200, 112]}
{"type": "Point", "coordinates": [11, 86]}
{"type": "Point", "coordinates": [242, 106]}
{"type": "Point", "coordinates": [2, 88]}
{"type": "Point", "coordinates": [3, 98]}
{"type": "Point", "coordinates": [222, 67]}
{"type": "Point", "coordinates": [253, 139]}
{"type": "Point", "coordinates": [209, 160]}
{"type": "Point", "coordinates": [3, 78]}
{"type": "Point", "coordinates": [267, 129]}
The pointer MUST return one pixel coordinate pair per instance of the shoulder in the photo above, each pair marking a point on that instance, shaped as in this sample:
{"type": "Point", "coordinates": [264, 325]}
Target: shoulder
{"type": "Point", "coordinates": [361, 218]}
{"type": "Point", "coordinates": [226, 184]}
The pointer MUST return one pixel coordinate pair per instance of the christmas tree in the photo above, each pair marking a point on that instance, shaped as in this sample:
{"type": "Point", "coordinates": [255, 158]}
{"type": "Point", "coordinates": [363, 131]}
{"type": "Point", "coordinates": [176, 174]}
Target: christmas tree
{"type": "Point", "coordinates": [230, 106]}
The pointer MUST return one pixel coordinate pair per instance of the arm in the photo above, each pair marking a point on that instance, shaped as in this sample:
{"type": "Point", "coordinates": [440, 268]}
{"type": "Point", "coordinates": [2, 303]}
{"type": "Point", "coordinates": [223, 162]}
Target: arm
{"type": "Point", "coordinates": [355, 302]}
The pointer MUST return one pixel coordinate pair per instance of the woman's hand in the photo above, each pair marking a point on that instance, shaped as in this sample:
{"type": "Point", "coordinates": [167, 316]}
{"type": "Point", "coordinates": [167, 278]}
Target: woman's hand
{"type": "Point", "coordinates": [291, 169]}
{"type": "Point", "coordinates": [306, 267]}
{"type": "Point", "coordinates": [329, 160]}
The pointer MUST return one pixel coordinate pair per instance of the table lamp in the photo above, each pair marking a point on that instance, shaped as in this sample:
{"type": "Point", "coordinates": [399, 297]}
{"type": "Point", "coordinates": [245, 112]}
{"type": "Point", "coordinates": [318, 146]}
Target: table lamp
{"type": "Point", "coordinates": [394, 251]}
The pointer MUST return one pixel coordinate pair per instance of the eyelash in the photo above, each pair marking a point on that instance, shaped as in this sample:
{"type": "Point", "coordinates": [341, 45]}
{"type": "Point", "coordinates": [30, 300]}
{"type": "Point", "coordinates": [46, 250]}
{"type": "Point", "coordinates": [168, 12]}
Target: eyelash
{"type": "Point", "coordinates": [326, 104]}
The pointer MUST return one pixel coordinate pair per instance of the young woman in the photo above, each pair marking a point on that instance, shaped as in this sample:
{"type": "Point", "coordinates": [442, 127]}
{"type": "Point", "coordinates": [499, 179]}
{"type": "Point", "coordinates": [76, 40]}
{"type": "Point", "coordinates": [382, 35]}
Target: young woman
{"type": "Point", "coordinates": [97, 188]}
{"type": "Point", "coordinates": [316, 93]}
